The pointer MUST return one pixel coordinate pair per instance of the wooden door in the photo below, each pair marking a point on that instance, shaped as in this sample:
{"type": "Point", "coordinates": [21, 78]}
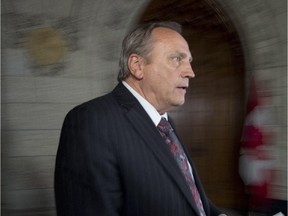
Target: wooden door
{"type": "Point", "coordinates": [210, 122]}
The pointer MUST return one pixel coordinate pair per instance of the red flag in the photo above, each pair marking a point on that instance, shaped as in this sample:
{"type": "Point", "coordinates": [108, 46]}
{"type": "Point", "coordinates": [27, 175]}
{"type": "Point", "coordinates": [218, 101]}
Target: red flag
{"type": "Point", "coordinates": [255, 164]}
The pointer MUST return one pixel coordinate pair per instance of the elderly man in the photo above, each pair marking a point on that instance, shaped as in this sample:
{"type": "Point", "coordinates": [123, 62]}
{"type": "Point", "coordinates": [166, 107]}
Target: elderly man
{"type": "Point", "coordinates": [118, 154]}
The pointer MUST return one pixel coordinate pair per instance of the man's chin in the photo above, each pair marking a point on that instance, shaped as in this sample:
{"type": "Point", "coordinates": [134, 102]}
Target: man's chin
{"type": "Point", "coordinates": [179, 103]}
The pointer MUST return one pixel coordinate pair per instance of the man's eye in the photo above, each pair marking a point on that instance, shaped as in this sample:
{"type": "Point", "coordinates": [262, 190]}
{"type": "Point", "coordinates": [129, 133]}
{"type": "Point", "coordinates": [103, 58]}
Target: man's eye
{"type": "Point", "coordinates": [177, 58]}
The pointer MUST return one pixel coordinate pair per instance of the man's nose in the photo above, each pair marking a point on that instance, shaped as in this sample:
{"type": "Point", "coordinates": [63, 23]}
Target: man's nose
{"type": "Point", "coordinates": [188, 71]}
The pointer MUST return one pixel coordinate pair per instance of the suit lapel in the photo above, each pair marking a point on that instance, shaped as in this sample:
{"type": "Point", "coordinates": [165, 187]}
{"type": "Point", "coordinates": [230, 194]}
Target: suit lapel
{"type": "Point", "coordinates": [146, 129]}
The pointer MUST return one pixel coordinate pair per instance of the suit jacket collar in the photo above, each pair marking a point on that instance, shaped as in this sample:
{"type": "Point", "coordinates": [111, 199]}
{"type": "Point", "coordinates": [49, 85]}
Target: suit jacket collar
{"type": "Point", "coordinates": [145, 127]}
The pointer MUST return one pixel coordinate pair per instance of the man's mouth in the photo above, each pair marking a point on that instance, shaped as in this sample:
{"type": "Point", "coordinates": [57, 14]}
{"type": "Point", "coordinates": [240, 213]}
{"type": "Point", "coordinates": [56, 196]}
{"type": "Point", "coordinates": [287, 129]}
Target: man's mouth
{"type": "Point", "coordinates": [182, 87]}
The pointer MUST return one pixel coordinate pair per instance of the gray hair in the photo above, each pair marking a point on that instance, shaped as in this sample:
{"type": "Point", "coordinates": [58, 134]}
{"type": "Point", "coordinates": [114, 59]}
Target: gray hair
{"type": "Point", "coordinates": [138, 42]}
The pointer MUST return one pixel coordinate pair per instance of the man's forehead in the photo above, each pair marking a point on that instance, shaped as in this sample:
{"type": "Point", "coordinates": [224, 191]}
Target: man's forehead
{"type": "Point", "coordinates": [169, 38]}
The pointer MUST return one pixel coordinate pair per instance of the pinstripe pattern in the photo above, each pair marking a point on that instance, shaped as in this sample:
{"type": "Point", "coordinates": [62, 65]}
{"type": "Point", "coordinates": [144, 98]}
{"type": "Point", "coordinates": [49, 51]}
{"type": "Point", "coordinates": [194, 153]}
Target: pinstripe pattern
{"type": "Point", "coordinates": [112, 161]}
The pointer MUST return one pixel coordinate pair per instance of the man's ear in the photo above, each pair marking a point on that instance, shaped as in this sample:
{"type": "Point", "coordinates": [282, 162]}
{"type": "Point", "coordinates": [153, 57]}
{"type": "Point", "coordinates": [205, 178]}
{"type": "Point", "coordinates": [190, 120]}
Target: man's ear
{"type": "Point", "coordinates": [135, 64]}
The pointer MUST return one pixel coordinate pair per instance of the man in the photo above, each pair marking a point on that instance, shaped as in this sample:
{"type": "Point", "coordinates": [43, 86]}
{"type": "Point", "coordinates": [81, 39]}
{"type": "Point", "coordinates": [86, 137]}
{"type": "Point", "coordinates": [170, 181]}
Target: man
{"type": "Point", "coordinates": [112, 158]}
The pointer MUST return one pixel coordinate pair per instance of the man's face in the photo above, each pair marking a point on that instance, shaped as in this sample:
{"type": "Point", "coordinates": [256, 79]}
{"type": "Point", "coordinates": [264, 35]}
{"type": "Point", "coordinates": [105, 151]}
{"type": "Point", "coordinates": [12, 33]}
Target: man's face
{"type": "Point", "coordinates": [167, 73]}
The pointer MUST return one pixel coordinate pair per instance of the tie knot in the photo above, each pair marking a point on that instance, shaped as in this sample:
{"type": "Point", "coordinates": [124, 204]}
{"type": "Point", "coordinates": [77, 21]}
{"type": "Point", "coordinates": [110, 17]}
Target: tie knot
{"type": "Point", "coordinates": [164, 126]}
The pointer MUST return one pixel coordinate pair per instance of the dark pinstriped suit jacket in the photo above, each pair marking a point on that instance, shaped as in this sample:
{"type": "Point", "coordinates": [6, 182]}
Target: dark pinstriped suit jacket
{"type": "Point", "coordinates": [113, 161]}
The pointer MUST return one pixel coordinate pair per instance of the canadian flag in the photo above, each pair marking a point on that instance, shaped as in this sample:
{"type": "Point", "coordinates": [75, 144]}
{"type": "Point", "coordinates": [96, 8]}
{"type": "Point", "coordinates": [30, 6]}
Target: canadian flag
{"type": "Point", "coordinates": [255, 164]}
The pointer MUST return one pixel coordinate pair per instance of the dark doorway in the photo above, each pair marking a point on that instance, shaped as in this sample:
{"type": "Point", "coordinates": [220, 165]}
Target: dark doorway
{"type": "Point", "coordinates": [210, 122]}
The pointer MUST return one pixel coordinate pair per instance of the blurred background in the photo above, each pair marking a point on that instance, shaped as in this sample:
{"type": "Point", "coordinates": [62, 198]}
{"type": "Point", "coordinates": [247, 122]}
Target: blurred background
{"type": "Point", "coordinates": [58, 54]}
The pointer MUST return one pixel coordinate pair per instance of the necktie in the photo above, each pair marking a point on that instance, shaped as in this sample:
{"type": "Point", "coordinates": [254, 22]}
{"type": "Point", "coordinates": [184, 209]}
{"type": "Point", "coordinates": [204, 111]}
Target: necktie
{"type": "Point", "coordinates": [176, 149]}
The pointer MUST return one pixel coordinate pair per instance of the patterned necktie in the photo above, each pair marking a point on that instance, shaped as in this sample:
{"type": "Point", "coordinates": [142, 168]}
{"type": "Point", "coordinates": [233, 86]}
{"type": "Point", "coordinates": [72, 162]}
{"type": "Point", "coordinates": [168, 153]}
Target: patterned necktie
{"type": "Point", "coordinates": [176, 149]}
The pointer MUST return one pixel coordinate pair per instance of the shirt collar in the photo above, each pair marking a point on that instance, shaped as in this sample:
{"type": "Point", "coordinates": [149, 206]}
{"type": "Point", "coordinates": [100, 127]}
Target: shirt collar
{"type": "Point", "coordinates": [148, 107]}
